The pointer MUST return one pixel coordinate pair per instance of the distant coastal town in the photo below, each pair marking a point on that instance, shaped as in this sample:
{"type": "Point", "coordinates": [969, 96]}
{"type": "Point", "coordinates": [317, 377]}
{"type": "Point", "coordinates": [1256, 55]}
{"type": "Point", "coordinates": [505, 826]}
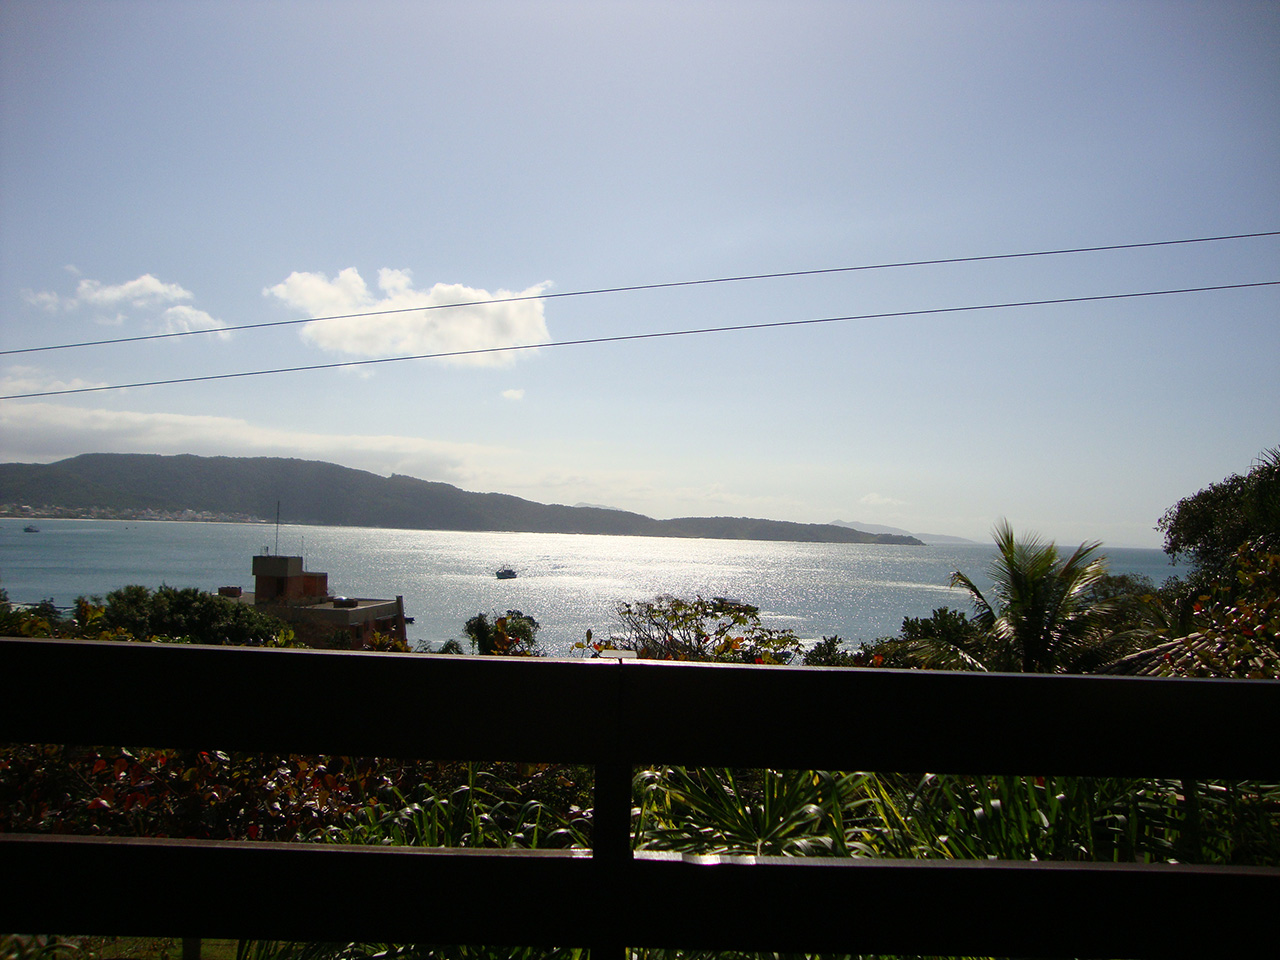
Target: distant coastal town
{"type": "Point", "coordinates": [24, 512]}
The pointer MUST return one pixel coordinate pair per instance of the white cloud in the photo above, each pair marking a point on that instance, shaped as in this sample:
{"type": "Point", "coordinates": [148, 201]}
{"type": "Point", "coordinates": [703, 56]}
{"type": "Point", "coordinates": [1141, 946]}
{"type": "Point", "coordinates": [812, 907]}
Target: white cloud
{"type": "Point", "coordinates": [19, 379]}
{"type": "Point", "coordinates": [43, 432]}
{"type": "Point", "coordinates": [481, 325]}
{"type": "Point", "coordinates": [111, 301]}
{"type": "Point", "coordinates": [513, 394]}
{"type": "Point", "coordinates": [144, 291]}
{"type": "Point", "coordinates": [45, 299]}
{"type": "Point", "coordinates": [182, 318]}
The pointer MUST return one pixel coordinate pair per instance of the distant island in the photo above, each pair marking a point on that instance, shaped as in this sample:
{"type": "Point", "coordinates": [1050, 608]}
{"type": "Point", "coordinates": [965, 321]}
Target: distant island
{"type": "Point", "coordinates": [929, 539]}
{"type": "Point", "coordinates": [247, 489]}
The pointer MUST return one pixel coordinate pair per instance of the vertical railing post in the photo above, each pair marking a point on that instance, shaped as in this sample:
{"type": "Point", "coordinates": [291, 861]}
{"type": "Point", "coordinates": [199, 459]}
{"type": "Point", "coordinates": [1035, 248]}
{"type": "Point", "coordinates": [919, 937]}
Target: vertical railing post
{"type": "Point", "coordinates": [611, 819]}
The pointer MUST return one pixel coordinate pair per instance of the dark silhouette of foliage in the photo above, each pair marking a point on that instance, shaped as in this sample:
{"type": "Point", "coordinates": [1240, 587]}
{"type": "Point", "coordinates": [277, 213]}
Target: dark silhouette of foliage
{"type": "Point", "coordinates": [450, 647]}
{"type": "Point", "coordinates": [945, 640]}
{"type": "Point", "coordinates": [1234, 627]}
{"type": "Point", "coordinates": [1209, 526]}
{"type": "Point", "coordinates": [513, 635]}
{"type": "Point", "coordinates": [185, 614]}
{"type": "Point", "coordinates": [944, 624]}
{"type": "Point", "coordinates": [138, 613]}
{"type": "Point", "coordinates": [1044, 615]}
{"type": "Point", "coordinates": [830, 652]}
{"type": "Point", "coordinates": [37, 620]}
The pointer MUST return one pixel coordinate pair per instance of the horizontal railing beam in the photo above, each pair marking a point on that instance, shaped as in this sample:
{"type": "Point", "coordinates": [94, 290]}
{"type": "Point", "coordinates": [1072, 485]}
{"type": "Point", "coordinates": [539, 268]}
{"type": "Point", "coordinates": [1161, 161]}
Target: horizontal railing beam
{"type": "Point", "coordinates": [634, 712]}
{"type": "Point", "coordinates": [550, 898]}
{"type": "Point", "coordinates": [946, 907]}
{"type": "Point", "coordinates": [319, 892]}
{"type": "Point", "coordinates": [408, 706]}
{"type": "Point", "coordinates": [614, 716]}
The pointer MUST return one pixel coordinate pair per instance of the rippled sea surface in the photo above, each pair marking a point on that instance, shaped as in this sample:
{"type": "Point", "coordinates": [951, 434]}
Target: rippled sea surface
{"type": "Point", "coordinates": [569, 583]}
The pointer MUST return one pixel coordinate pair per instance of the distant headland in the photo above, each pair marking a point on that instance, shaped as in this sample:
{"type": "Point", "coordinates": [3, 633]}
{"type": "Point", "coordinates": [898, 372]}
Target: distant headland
{"type": "Point", "coordinates": [247, 490]}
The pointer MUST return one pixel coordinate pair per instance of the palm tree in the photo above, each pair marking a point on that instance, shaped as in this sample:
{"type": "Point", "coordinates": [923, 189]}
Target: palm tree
{"type": "Point", "coordinates": [1044, 618]}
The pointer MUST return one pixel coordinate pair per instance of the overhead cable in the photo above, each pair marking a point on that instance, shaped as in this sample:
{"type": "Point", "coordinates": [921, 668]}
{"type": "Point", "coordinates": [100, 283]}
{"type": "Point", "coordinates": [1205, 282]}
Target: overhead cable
{"type": "Point", "coordinates": [634, 288]}
{"type": "Point", "coordinates": [622, 338]}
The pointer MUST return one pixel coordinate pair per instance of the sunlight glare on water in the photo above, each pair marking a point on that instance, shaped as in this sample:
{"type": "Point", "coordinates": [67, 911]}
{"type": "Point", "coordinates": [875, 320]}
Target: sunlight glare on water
{"type": "Point", "coordinates": [569, 583]}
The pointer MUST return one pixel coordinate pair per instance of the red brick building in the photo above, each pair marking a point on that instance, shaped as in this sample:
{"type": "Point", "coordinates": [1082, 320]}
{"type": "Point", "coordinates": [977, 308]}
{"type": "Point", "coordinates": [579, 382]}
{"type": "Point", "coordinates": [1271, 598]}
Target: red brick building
{"type": "Point", "coordinates": [301, 598]}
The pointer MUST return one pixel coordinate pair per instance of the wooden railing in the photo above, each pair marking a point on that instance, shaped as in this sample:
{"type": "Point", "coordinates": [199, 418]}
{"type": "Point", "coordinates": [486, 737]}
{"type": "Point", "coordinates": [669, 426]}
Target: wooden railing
{"type": "Point", "coordinates": [616, 715]}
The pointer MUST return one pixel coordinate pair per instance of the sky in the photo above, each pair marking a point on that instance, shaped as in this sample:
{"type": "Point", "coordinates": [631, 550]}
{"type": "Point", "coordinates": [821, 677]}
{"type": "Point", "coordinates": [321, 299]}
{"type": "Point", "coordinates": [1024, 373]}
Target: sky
{"type": "Point", "coordinates": [206, 165]}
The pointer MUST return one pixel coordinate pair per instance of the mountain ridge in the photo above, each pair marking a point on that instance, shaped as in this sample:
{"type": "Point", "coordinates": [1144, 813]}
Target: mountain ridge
{"type": "Point", "coordinates": [327, 494]}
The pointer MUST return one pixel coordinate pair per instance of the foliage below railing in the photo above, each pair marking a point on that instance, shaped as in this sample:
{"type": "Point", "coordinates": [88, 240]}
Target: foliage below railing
{"type": "Point", "coordinates": [217, 795]}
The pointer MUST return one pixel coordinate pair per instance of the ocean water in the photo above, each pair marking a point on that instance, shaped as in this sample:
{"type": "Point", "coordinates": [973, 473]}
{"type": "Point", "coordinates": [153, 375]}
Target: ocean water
{"type": "Point", "coordinates": [569, 583]}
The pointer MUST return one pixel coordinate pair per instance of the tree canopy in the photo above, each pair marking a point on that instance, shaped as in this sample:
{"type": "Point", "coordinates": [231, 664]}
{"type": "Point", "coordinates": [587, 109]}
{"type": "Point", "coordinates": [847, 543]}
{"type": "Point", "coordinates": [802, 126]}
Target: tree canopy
{"type": "Point", "coordinates": [513, 635]}
{"type": "Point", "coordinates": [721, 629]}
{"type": "Point", "coordinates": [182, 614]}
{"type": "Point", "coordinates": [1233, 629]}
{"type": "Point", "coordinates": [1208, 527]}
{"type": "Point", "coordinates": [134, 612]}
{"type": "Point", "coordinates": [1045, 613]}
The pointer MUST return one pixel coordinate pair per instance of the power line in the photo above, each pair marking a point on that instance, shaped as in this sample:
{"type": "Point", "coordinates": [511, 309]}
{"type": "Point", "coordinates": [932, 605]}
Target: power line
{"type": "Point", "coordinates": [621, 338]}
{"type": "Point", "coordinates": [636, 287]}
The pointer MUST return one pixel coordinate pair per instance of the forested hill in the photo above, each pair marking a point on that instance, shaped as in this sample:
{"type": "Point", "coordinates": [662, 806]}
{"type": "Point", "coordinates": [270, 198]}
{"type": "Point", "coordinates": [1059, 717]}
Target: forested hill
{"type": "Point", "coordinates": [326, 494]}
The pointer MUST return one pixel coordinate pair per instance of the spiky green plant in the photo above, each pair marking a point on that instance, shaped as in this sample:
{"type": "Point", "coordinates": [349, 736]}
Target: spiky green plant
{"type": "Point", "coordinates": [1077, 818]}
{"type": "Point", "coordinates": [1042, 616]}
{"type": "Point", "coordinates": [751, 813]}
{"type": "Point", "coordinates": [477, 813]}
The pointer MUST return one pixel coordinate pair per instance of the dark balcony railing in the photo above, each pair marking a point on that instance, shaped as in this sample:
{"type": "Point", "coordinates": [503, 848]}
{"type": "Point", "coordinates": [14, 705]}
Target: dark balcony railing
{"type": "Point", "coordinates": [616, 715]}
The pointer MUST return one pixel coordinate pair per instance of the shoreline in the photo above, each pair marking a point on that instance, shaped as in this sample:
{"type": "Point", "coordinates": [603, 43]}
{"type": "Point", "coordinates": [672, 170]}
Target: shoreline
{"type": "Point", "coordinates": [9, 511]}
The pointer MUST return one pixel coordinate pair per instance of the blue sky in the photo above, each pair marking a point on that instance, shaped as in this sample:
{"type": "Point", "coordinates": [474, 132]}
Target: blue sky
{"type": "Point", "coordinates": [205, 164]}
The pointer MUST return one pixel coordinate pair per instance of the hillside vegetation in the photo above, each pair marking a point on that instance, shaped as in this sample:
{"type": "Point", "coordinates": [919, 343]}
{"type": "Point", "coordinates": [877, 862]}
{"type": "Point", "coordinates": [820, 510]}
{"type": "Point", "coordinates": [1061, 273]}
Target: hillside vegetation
{"type": "Point", "coordinates": [326, 494]}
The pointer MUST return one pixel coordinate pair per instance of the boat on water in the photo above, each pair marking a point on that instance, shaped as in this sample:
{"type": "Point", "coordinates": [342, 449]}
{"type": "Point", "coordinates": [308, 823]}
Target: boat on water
{"type": "Point", "coordinates": [30, 529]}
{"type": "Point", "coordinates": [506, 573]}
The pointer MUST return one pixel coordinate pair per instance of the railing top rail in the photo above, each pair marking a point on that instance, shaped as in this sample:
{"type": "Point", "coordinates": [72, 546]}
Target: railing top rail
{"type": "Point", "coordinates": [305, 892]}
{"type": "Point", "coordinates": [594, 711]}
{"type": "Point", "coordinates": [616, 714]}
